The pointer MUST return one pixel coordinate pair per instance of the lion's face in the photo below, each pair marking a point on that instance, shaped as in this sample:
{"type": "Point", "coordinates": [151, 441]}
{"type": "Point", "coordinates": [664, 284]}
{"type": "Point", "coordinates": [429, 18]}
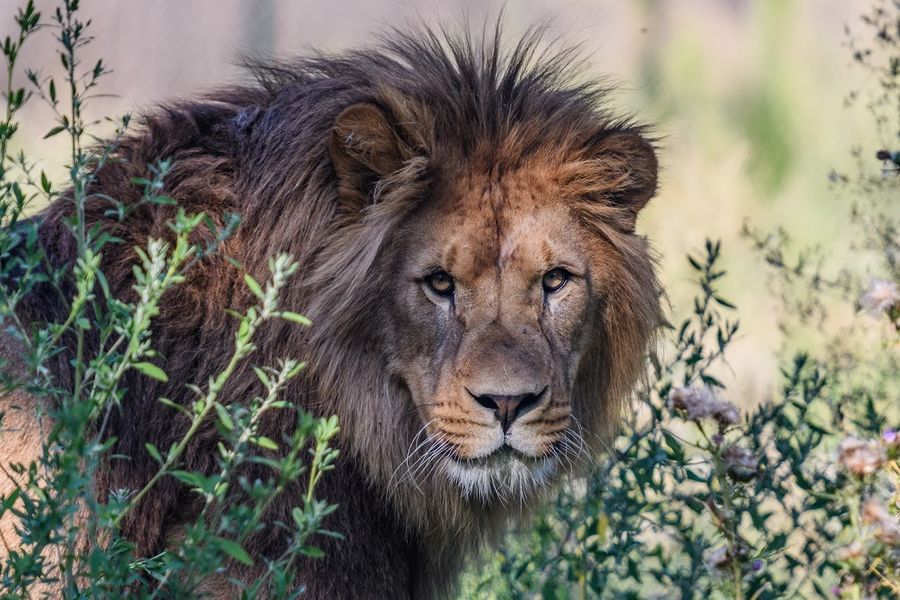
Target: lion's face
{"type": "Point", "coordinates": [492, 297]}
{"type": "Point", "coordinates": [509, 319]}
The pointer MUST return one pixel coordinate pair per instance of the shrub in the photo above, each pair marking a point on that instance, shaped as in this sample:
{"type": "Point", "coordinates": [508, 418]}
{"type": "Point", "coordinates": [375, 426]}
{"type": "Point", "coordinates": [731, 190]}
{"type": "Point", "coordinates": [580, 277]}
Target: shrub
{"type": "Point", "coordinates": [797, 498]}
{"type": "Point", "coordinates": [54, 500]}
{"type": "Point", "coordinates": [696, 499]}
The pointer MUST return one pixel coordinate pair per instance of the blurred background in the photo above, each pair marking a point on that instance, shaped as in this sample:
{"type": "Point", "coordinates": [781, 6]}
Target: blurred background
{"type": "Point", "coordinates": [749, 98]}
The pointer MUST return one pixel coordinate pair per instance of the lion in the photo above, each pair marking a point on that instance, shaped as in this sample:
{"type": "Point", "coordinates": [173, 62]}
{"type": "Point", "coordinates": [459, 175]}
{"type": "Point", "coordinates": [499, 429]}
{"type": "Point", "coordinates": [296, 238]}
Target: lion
{"type": "Point", "coordinates": [464, 217]}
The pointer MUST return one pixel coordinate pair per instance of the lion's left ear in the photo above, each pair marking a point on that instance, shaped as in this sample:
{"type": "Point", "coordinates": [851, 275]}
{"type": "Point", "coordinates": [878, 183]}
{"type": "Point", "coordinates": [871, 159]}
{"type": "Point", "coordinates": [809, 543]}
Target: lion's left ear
{"type": "Point", "coordinates": [628, 169]}
{"type": "Point", "coordinates": [364, 148]}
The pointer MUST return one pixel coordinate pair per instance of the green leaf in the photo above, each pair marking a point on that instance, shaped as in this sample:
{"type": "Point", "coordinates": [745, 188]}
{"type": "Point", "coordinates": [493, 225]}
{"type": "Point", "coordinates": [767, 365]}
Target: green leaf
{"type": "Point", "coordinates": [264, 442]}
{"type": "Point", "coordinates": [262, 376]}
{"type": "Point", "coordinates": [170, 404]}
{"type": "Point", "coordinates": [234, 550]}
{"type": "Point", "coordinates": [312, 552]}
{"type": "Point", "coordinates": [195, 480]}
{"type": "Point", "coordinates": [243, 329]}
{"type": "Point", "coordinates": [298, 516]}
{"type": "Point", "coordinates": [154, 452]}
{"type": "Point", "coordinates": [674, 446]}
{"type": "Point", "coordinates": [297, 368]}
{"type": "Point", "coordinates": [296, 318]}
{"type": "Point", "coordinates": [724, 302]}
{"type": "Point", "coordinates": [224, 417]}
{"type": "Point", "coordinates": [711, 381]}
{"type": "Point", "coordinates": [254, 286]}
{"type": "Point", "coordinates": [9, 500]}
{"type": "Point", "coordinates": [54, 131]}
{"type": "Point", "coordinates": [151, 370]}
{"type": "Point", "coordinates": [164, 200]}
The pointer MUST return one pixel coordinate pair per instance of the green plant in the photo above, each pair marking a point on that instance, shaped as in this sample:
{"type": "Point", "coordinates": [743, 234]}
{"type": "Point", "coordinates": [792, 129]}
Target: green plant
{"type": "Point", "coordinates": [695, 499]}
{"type": "Point", "coordinates": [69, 535]}
{"type": "Point", "coordinates": [796, 499]}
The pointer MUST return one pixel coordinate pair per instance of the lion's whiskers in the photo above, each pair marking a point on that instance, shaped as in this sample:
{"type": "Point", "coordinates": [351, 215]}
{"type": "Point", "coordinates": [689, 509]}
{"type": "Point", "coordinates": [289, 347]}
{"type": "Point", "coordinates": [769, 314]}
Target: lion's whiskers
{"type": "Point", "coordinates": [445, 449]}
{"type": "Point", "coordinates": [585, 447]}
{"type": "Point", "coordinates": [421, 466]}
{"type": "Point", "coordinates": [409, 453]}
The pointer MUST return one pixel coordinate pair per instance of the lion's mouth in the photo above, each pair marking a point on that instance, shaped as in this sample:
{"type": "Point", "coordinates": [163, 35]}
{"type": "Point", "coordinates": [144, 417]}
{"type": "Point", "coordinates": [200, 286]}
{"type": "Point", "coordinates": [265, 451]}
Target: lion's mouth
{"type": "Point", "coordinates": [505, 473]}
{"type": "Point", "coordinates": [498, 457]}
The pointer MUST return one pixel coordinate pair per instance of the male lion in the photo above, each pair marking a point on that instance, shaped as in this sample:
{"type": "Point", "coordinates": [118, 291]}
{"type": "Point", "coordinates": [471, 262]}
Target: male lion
{"type": "Point", "coordinates": [465, 222]}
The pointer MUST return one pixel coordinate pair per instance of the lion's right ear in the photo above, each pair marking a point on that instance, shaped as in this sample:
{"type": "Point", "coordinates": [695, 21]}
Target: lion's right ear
{"type": "Point", "coordinates": [364, 148]}
{"type": "Point", "coordinates": [630, 166]}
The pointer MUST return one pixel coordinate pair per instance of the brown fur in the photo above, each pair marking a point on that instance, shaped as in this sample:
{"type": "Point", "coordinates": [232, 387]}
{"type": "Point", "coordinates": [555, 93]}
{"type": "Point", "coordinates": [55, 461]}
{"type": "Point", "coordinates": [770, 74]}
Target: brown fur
{"type": "Point", "coordinates": [370, 168]}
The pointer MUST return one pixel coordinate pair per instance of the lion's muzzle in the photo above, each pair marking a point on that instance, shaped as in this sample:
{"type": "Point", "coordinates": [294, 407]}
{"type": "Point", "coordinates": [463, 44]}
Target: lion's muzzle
{"type": "Point", "coordinates": [507, 408]}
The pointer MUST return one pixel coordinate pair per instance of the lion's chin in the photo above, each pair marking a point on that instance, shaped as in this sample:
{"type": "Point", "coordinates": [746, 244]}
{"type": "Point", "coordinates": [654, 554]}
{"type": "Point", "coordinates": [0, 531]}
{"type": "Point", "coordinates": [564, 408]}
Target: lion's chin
{"type": "Point", "coordinates": [504, 475]}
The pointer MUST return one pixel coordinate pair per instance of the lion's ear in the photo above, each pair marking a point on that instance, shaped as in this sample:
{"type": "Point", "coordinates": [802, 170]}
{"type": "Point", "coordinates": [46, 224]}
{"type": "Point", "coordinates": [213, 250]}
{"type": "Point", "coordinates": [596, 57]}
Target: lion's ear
{"type": "Point", "coordinates": [364, 148]}
{"type": "Point", "coordinates": [629, 168]}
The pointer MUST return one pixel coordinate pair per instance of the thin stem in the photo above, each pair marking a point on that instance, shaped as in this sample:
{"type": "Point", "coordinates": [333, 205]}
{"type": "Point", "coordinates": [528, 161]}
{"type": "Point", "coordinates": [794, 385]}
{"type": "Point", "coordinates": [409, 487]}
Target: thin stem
{"type": "Point", "coordinates": [209, 403]}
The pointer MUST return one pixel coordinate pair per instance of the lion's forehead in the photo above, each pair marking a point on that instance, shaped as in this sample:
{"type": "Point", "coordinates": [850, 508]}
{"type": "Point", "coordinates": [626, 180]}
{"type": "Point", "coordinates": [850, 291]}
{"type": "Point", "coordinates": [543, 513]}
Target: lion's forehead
{"type": "Point", "coordinates": [514, 224]}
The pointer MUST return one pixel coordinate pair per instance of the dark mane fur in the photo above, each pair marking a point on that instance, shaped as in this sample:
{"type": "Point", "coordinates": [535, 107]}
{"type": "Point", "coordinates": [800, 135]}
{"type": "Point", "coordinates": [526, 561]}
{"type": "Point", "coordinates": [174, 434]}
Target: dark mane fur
{"type": "Point", "coordinates": [261, 151]}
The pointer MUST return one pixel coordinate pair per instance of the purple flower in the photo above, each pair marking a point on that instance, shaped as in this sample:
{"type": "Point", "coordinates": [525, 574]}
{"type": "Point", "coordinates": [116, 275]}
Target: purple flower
{"type": "Point", "coordinates": [740, 463]}
{"type": "Point", "coordinates": [700, 403]}
{"type": "Point", "coordinates": [860, 457]}
{"type": "Point", "coordinates": [887, 526]}
{"type": "Point", "coordinates": [757, 565]}
{"type": "Point", "coordinates": [890, 436]}
{"type": "Point", "coordinates": [718, 559]}
{"type": "Point", "coordinates": [881, 296]}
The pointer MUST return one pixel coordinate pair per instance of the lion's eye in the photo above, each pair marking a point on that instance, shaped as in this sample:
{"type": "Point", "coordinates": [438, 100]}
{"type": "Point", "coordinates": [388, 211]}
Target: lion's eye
{"type": "Point", "coordinates": [440, 283]}
{"type": "Point", "coordinates": [554, 280]}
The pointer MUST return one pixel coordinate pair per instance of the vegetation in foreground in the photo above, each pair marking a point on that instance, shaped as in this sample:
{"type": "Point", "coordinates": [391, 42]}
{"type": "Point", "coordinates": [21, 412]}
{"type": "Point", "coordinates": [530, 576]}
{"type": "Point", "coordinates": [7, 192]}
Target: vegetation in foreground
{"type": "Point", "coordinates": [800, 496]}
{"type": "Point", "coordinates": [54, 499]}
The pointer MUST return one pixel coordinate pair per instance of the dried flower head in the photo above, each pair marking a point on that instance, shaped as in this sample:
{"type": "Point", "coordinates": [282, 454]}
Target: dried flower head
{"type": "Point", "coordinates": [860, 457]}
{"type": "Point", "coordinates": [887, 527]}
{"type": "Point", "coordinates": [881, 296]}
{"type": "Point", "coordinates": [702, 403]}
{"type": "Point", "coordinates": [852, 552]}
{"type": "Point", "coordinates": [740, 463]}
{"type": "Point", "coordinates": [718, 559]}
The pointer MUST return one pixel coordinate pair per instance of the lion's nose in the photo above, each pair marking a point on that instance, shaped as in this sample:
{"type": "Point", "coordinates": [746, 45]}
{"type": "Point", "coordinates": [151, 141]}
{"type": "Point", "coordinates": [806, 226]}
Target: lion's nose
{"type": "Point", "coordinates": [508, 408]}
